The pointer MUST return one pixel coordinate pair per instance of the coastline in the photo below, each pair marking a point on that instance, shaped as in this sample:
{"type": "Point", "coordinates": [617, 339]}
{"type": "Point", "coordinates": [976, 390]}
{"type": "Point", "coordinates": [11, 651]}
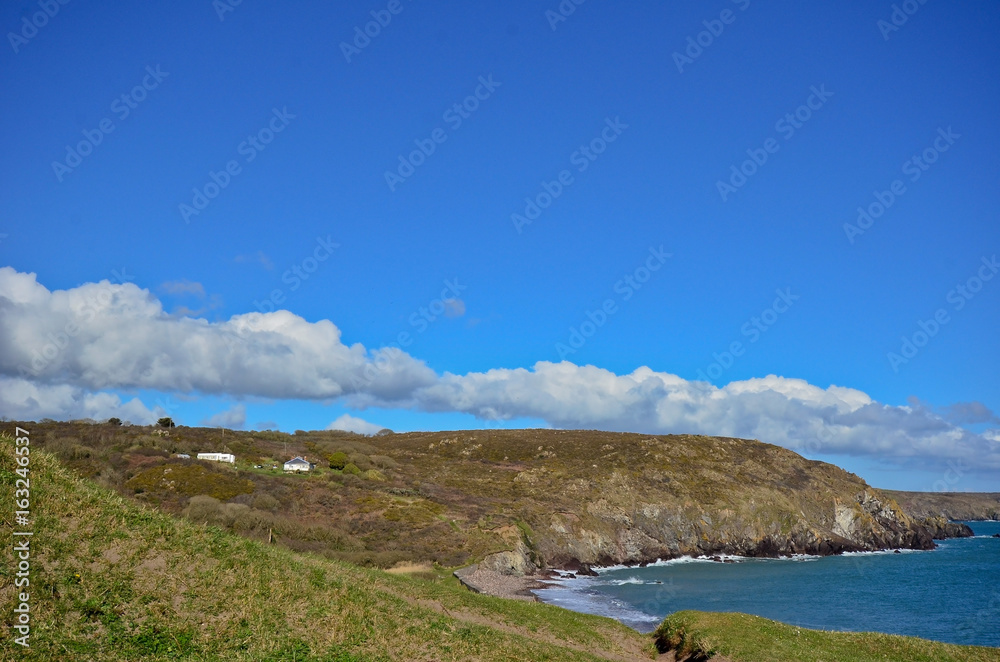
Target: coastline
{"type": "Point", "coordinates": [490, 582]}
{"type": "Point", "coordinates": [523, 587]}
{"type": "Point", "coordinates": [640, 600]}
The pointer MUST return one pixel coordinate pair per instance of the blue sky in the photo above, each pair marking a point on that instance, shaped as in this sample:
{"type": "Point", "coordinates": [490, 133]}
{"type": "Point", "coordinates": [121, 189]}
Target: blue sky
{"type": "Point", "coordinates": [623, 129]}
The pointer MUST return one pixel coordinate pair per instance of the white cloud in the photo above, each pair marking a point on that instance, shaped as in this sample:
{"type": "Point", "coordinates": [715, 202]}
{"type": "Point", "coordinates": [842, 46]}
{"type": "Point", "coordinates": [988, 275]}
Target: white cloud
{"type": "Point", "coordinates": [234, 418]}
{"type": "Point", "coordinates": [102, 335]}
{"type": "Point", "coordinates": [58, 347]}
{"type": "Point", "coordinates": [27, 401]}
{"type": "Point", "coordinates": [350, 423]}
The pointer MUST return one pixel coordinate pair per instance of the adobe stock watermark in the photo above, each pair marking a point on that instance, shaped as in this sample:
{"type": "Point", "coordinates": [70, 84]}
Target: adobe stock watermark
{"type": "Point", "coordinates": [55, 343]}
{"type": "Point", "coordinates": [22, 537]}
{"type": "Point", "coordinates": [581, 158]}
{"type": "Point", "coordinates": [249, 149]}
{"type": "Point", "coordinates": [913, 168]}
{"type": "Point", "coordinates": [563, 11]}
{"type": "Point", "coordinates": [298, 273]}
{"type": "Point", "coordinates": [447, 304]}
{"type": "Point", "coordinates": [714, 28]}
{"type": "Point", "coordinates": [30, 27]}
{"type": "Point", "coordinates": [625, 287]}
{"type": "Point", "coordinates": [122, 107]}
{"type": "Point", "coordinates": [958, 297]}
{"type": "Point", "coordinates": [454, 117]}
{"type": "Point", "coordinates": [787, 127]}
{"type": "Point", "coordinates": [223, 7]}
{"type": "Point", "coordinates": [899, 16]}
{"type": "Point", "coordinates": [753, 329]}
{"type": "Point", "coordinates": [381, 19]}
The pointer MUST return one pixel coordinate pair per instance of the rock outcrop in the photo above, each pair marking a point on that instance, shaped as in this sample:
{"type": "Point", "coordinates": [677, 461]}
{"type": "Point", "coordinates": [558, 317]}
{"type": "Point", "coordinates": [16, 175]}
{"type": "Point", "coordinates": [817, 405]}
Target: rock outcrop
{"type": "Point", "coordinates": [615, 536]}
{"type": "Point", "coordinates": [941, 528]}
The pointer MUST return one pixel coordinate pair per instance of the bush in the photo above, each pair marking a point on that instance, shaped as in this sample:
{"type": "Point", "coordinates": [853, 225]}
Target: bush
{"type": "Point", "coordinates": [265, 501]}
{"type": "Point", "coordinates": [352, 469]}
{"type": "Point", "coordinates": [114, 421]}
{"type": "Point", "coordinates": [338, 460]}
{"type": "Point", "coordinates": [203, 508]}
{"type": "Point", "coordinates": [384, 462]}
{"type": "Point", "coordinates": [375, 474]}
{"type": "Point", "coordinates": [166, 422]}
{"type": "Point", "coordinates": [361, 461]}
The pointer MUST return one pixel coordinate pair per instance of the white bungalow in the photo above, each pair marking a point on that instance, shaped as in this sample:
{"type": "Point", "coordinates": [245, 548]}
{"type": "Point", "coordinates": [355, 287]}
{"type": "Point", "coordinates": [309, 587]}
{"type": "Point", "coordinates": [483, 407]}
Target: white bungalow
{"type": "Point", "coordinates": [218, 457]}
{"type": "Point", "coordinates": [299, 464]}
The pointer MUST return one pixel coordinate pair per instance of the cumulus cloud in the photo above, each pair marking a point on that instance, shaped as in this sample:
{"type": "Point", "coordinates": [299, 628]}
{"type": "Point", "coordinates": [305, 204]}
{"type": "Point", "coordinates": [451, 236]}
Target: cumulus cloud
{"type": "Point", "coordinates": [350, 423]}
{"type": "Point", "coordinates": [103, 336]}
{"type": "Point", "coordinates": [970, 413]}
{"type": "Point", "coordinates": [23, 400]}
{"type": "Point", "coordinates": [58, 347]}
{"type": "Point", "coordinates": [234, 418]}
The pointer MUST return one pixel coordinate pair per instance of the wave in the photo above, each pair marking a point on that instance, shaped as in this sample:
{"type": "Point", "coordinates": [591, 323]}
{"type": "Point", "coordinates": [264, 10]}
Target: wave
{"type": "Point", "coordinates": [881, 552]}
{"type": "Point", "coordinates": [715, 558]}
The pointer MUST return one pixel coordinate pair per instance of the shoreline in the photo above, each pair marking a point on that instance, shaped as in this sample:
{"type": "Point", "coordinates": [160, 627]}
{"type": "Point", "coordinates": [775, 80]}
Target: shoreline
{"type": "Point", "coordinates": [490, 582]}
{"type": "Point", "coordinates": [514, 587]}
{"type": "Point", "coordinates": [522, 587]}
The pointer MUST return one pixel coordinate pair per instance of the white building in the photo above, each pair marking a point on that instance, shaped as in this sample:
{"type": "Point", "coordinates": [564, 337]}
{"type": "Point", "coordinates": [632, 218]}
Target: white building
{"type": "Point", "coordinates": [298, 464]}
{"type": "Point", "coordinates": [218, 457]}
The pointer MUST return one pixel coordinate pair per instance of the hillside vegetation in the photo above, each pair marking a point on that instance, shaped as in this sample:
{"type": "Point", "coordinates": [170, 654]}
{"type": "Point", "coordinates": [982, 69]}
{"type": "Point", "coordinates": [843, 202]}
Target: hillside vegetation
{"type": "Point", "coordinates": [518, 499]}
{"type": "Point", "coordinates": [117, 581]}
{"type": "Point", "coordinates": [694, 636]}
{"type": "Point", "coordinates": [114, 580]}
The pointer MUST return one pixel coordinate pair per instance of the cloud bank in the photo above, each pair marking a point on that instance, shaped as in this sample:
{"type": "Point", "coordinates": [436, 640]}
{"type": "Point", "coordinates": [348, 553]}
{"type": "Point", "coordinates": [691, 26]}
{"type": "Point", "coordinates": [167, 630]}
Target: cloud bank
{"type": "Point", "coordinates": [60, 349]}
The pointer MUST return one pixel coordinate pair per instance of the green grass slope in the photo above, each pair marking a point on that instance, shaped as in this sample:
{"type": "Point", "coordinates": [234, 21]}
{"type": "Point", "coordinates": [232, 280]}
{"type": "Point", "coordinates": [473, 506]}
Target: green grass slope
{"type": "Point", "coordinates": [114, 580]}
{"type": "Point", "coordinates": [698, 635]}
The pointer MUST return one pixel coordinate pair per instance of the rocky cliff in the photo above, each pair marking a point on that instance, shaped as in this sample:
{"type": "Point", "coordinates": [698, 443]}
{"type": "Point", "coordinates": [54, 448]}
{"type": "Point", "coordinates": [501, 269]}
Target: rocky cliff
{"type": "Point", "coordinates": [589, 498]}
{"type": "Point", "coordinates": [950, 505]}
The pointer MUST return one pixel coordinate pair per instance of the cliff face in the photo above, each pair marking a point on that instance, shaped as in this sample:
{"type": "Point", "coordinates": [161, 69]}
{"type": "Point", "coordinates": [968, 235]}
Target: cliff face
{"type": "Point", "coordinates": [634, 499]}
{"type": "Point", "coordinates": [950, 505]}
{"type": "Point", "coordinates": [643, 532]}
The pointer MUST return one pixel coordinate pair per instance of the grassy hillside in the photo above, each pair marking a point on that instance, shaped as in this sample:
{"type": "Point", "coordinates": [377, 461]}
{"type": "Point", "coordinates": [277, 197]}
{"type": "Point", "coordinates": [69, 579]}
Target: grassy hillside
{"type": "Point", "coordinates": [741, 638]}
{"type": "Point", "coordinates": [119, 581]}
{"type": "Point", "coordinates": [559, 497]}
{"type": "Point", "coordinates": [116, 581]}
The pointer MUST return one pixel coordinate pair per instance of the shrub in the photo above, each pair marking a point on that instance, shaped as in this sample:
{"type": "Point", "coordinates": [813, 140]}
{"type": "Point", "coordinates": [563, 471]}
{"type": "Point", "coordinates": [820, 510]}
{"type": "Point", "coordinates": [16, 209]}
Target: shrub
{"type": "Point", "coordinates": [361, 461]}
{"type": "Point", "coordinates": [203, 508]}
{"type": "Point", "coordinates": [166, 422]}
{"type": "Point", "coordinates": [265, 501]}
{"type": "Point", "coordinates": [338, 460]}
{"type": "Point", "coordinates": [114, 421]}
{"type": "Point", "coordinates": [352, 469]}
{"type": "Point", "coordinates": [189, 480]}
{"type": "Point", "coordinates": [375, 474]}
{"type": "Point", "coordinates": [384, 462]}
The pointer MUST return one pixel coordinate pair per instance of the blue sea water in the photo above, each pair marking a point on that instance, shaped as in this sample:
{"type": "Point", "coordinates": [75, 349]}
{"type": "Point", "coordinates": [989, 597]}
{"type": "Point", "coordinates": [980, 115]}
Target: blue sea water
{"type": "Point", "coordinates": [950, 594]}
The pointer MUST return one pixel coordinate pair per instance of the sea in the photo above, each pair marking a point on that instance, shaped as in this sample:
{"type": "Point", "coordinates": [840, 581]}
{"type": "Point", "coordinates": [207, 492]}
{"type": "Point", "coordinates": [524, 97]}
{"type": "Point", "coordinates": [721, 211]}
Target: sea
{"type": "Point", "coordinates": [949, 594]}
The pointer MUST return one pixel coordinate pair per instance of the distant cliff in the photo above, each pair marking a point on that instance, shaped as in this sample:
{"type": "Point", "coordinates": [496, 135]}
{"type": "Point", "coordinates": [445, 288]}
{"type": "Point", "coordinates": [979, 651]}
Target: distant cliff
{"type": "Point", "coordinates": [584, 498]}
{"type": "Point", "coordinates": [950, 505]}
